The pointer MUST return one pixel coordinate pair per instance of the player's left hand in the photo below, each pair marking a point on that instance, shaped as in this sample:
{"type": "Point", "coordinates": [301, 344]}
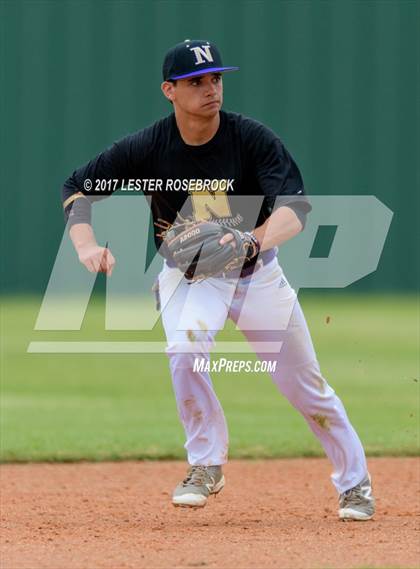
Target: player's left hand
{"type": "Point", "coordinates": [228, 238]}
{"type": "Point", "coordinates": [204, 249]}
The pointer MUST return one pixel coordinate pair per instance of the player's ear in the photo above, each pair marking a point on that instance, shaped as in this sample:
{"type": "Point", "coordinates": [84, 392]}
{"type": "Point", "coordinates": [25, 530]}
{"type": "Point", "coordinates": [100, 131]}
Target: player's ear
{"type": "Point", "coordinates": [168, 88]}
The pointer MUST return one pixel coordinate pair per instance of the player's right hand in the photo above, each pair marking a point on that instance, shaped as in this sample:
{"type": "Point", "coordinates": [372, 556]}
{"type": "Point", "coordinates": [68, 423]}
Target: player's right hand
{"type": "Point", "coordinates": [96, 259]}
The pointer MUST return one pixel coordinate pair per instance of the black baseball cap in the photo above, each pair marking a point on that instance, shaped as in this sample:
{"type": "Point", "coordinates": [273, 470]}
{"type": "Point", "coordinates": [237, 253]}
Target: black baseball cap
{"type": "Point", "coordinates": [191, 58]}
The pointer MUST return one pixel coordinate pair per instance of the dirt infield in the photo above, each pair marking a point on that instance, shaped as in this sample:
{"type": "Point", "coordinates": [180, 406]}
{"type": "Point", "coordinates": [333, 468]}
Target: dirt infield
{"type": "Point", "coordinates": [279, 513]}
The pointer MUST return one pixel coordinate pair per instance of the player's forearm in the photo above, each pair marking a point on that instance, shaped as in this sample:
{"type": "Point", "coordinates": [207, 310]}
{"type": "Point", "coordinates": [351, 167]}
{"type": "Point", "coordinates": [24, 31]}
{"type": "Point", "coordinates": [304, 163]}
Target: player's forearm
{"type": "Point", "coordinates": [82, 236]}
{"type": "Point", "coordinates": [282, 225]}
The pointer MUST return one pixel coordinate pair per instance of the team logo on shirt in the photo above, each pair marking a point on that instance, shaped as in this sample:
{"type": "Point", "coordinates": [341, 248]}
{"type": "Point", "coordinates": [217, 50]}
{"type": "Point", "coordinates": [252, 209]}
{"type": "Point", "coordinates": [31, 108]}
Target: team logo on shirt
{"type": "Point", "coordinates": [214, 205]}
{"type": "Point", "coordinates": [210, 202]}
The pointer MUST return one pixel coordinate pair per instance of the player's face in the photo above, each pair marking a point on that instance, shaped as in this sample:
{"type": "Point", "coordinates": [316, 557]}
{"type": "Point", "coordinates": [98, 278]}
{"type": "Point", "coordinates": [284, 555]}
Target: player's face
{"type": "Point", "coordinates": [201, 95]}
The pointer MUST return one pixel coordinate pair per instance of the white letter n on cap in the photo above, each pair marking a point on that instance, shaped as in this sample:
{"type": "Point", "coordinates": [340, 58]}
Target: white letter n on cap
{"type": "Point", "coordinates": [200, 52]}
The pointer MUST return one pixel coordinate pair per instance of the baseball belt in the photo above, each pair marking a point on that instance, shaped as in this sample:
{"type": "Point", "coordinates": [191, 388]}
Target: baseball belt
{"type": "Point", "coordinates": [263, 259]}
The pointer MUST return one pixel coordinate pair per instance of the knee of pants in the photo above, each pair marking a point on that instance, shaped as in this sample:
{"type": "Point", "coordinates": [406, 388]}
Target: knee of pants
{"type": "Point", "coordinates": [305, 387]}
{"type": "Point", "coordinates": [193, 361]}
{"type": "Point", "coordinates": [191, 342]}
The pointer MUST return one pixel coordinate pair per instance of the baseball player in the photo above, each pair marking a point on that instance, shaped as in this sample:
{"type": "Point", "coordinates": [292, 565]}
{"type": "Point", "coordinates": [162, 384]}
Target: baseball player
{"type": "Point", "coordinates": [220, 261]}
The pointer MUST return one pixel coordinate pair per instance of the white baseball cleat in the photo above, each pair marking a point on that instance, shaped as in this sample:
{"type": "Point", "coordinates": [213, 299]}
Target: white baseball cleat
{"type": "Point", "coordinates": [200, 482]}
{"type": "Point", "coordinates": [357, 503]}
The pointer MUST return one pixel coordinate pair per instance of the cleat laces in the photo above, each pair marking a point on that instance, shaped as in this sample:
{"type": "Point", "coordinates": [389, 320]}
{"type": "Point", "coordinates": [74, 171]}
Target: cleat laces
{"type": "Point", "coordinates": [197, 476]}
{"type": "Point", "coordinates": [355, 496]}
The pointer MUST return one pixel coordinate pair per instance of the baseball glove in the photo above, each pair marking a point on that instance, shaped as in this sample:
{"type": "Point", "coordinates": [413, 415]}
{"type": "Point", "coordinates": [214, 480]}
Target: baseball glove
{"type": "Point", "coordinates": [195, 248]}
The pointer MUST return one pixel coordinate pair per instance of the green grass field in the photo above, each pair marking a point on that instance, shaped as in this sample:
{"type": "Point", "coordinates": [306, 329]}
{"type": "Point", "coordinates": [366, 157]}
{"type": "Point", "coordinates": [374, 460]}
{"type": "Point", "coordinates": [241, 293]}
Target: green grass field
{"type": "Point", "coordinates": [118, 406]}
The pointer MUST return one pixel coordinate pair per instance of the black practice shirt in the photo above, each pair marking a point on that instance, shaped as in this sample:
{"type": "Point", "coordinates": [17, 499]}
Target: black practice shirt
{"type": "Point", "coordinates": [244, 158]}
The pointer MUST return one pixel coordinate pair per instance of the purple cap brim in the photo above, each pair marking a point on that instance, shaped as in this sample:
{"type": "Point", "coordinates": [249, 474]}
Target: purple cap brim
{"type": "Point", "coordinates": [205, 71]}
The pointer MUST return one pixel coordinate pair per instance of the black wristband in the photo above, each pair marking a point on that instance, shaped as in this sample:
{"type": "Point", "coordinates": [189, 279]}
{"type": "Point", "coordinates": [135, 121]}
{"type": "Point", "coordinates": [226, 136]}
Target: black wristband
{"type": "Point", "coordinates": [78, 211]}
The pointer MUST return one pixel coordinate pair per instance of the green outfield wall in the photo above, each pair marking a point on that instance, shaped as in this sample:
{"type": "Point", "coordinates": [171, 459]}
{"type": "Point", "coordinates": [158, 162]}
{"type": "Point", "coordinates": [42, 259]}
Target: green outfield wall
{"type": "Point", "coordinates": [337, 80]}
